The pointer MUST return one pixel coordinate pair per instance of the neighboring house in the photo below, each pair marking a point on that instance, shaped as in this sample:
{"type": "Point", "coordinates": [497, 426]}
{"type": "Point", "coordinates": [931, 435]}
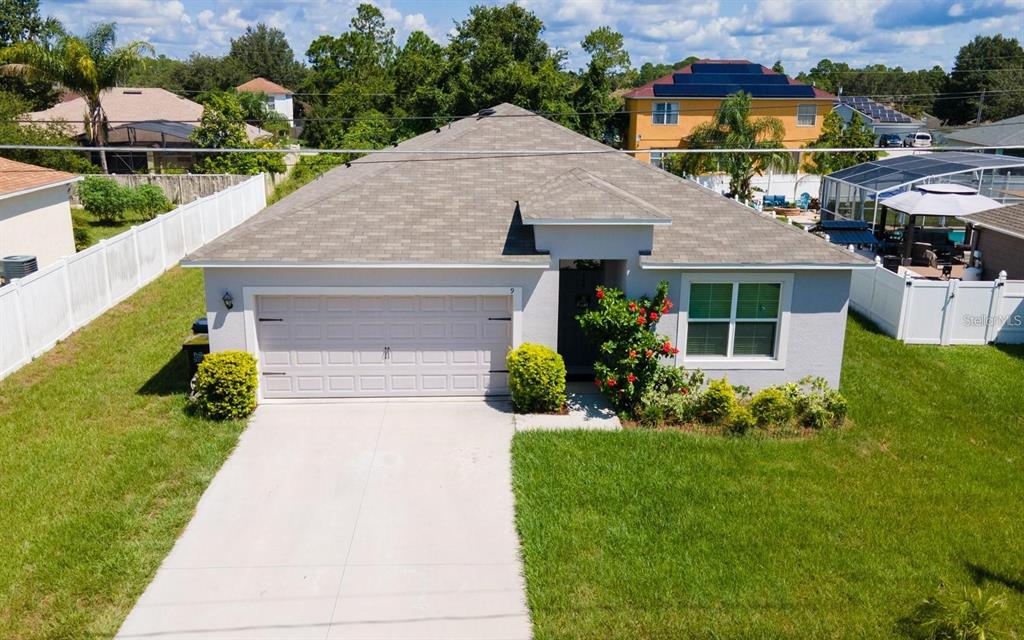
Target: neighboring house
{"type": "Point", "coordinates": [1008, 132]}
{"type": "Point", "coordinates": [279, 99]}
{"type": "Point", "coordinates": [999, 237]}
{"type": "Point", "coordinates": [664, 112]}
{"type": "Point", "coordinates": [35, 212]}
{"type": "Point", "coordinates": [414, 274]}
{"type": "Point", "coordinates": [877, 117]}
{"type": "Point", "coordinates": [139, 119]}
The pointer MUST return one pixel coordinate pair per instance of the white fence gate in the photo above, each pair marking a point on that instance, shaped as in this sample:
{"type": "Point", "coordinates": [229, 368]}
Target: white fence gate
{"type": "Point", "coordinates": [919, 311]}
{"type": "Point", "coordinates": [47, 306]}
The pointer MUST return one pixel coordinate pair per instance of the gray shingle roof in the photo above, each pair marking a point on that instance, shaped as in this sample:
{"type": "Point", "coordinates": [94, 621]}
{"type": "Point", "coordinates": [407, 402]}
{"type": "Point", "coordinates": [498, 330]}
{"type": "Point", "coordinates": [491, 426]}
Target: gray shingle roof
{"type": "Point", "coordinates": [461, 209]}
{"type": "Point", "coordinates": [1009, 219]}
{"type": "Point", "coordinates": [1002, 132]}
{"type": "Point", "coordinates": [578, 195]}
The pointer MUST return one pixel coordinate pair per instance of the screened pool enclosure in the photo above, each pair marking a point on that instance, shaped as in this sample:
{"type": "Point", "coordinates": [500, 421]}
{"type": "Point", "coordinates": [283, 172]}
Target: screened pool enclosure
{"type": "Point", "coordinates": [854, 193]}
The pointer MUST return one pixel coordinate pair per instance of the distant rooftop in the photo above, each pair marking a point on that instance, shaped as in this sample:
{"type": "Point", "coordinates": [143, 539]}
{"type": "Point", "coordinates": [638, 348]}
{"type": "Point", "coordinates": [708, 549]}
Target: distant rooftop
{"type": "Point", "coordinates": [1002, 132]}
{"type": "Point", "coordinates": [720, 78]}
{"type": "Point", "coordinates": [16, 177]}
{"type": "Point", "coordinates": [876, 111]}
{"type": "Point", "coordinates": [262, 85]}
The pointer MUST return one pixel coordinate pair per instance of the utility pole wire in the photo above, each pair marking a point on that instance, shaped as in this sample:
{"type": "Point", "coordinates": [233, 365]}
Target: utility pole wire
{"type": "Point", "coordinates": [483, 152]}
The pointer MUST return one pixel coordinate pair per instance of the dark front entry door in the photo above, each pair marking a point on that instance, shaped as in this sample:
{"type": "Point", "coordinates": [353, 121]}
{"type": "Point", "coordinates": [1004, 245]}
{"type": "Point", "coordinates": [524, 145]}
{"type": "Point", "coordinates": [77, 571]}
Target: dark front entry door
{"type": "Point", "coordinates": [576, 294]}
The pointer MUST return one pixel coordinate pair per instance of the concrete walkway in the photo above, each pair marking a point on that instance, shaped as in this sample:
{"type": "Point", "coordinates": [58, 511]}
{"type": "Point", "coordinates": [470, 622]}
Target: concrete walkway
{"type": "Point", "coordinates": [350, 520]}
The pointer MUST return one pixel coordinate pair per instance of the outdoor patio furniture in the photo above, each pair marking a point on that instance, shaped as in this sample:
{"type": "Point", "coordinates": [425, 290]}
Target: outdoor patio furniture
{"type": "Point", "coordinates": [892, 263]}
{"type": "Point", "coordinates": [917, 253]}
{"type": "Point", "coordinates": [804, 201]}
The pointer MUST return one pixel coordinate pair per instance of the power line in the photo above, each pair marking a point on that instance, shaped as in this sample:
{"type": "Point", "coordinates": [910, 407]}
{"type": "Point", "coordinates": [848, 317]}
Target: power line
{"type": "Point", "coordinates": [482, 153]}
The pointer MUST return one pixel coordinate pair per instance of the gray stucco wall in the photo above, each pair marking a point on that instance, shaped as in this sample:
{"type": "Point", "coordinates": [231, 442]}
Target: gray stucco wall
{"type": "Point", "coordinates": [816, 328]}
{"type": "Point", "coordinates": [1000, 252]}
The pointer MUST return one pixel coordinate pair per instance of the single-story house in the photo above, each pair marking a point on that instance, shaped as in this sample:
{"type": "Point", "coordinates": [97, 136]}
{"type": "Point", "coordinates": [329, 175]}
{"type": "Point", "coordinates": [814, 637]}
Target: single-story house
{"type": "Point", "coordinates": [1007, 132]}
{"type": "Point", "coordinates": [999, 240]}
{"type": "Point", "coordinates": [35, 212]}
{"type": "Point", "coordinates": [877, 117]}
{"type": "Point", "coordinates": [139, 119]}
{"type": "Point", "coordinates": [279, 99]}
{"type": "Point", "coordinates": [413, 273]}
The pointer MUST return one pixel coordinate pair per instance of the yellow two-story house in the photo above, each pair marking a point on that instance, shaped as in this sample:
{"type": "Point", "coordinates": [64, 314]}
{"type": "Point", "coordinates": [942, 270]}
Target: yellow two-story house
{"type": "Point", "coordinates": [664, 112]}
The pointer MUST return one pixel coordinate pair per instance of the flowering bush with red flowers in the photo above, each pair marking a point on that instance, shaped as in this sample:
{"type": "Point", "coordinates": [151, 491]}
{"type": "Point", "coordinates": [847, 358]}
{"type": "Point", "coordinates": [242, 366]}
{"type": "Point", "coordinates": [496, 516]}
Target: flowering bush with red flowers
{"type": "Point", "coordinates": [631, 354]}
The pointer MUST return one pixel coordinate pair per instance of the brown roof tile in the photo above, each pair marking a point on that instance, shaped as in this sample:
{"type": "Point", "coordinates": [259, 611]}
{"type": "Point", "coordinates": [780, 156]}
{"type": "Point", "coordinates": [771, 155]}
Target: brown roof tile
{"type": "Point", "coordinates": [19, 176]}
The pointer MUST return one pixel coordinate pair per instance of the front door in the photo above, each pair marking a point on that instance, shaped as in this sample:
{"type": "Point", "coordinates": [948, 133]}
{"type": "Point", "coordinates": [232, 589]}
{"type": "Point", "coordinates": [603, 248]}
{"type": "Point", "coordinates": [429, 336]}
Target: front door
{"type": "Point", "coordinates": [577, 285]}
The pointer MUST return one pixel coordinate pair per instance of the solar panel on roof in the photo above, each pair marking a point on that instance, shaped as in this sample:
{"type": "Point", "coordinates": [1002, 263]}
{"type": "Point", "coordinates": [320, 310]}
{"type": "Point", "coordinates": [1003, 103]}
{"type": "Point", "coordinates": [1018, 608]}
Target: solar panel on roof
{"type": "Point", "coordinates": [722, 90]}
{"type": "Point", "coordinates": [730, 67]}
{"type": "Point", "coordinates": [728, 78]}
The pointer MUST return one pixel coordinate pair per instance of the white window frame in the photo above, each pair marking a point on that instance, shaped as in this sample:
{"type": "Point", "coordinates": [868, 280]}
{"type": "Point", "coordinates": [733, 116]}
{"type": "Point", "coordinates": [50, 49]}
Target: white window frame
{"type": "Point", "coordinates": [661, 158]}
{"type": "Point", "coordinates": [673, 111]}
{"type": "Point", "coordinates": [778, 361]}
{"type": "Point", "coordinates": [814, 116]}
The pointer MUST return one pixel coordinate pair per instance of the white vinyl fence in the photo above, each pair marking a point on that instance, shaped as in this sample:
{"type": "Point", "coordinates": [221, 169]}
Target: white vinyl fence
{"type": "Point", "coordinates": [45, 307]}
{"type": "Point", "coordinates": [919, 311]}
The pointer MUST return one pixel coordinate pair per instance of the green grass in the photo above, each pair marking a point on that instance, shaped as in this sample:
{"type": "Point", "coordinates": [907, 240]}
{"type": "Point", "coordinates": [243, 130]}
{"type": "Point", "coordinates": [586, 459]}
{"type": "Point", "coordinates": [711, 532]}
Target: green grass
{"type": "Point", "coordinates": [100, 468]}
{"type": "Point", "coordinates": [670, 535]}
{"type": "Point", "coordinates": [102, 230]}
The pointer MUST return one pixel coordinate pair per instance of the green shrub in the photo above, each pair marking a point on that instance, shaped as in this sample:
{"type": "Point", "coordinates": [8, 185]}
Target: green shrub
{"type": "Point", "coordinates": [148, 200]}
{"type": "Point", "coordinates": [741, 420]}
{"type": "Point", "coordinates": [536, 378]}
{"type": "Point", "coordinates": [105, 199]}
{"type": "Point", "coordinates": [672, 399]}
{"type": "Point", "coordinates": [971, 615]}
{"type": "Point", "coordinates": [83, 238]}
{"type": "Point", "coordinates": [817, 405]}
{"type": "Point", "coordinates": [716, 403]}
{"type": "Point", "coordinates": [225, 385]}
{"type": "Point", "coordinates": [772, 407]}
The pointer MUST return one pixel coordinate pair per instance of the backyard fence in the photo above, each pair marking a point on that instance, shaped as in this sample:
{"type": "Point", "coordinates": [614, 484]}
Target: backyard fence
{"type": "Point", "coordinates": [182, 188]}
{"type": "Point", "coordinates": [45, 307]}
{"type": "Point", "coordinates": [919, 311]}
{"type": "Point", "coordinates": [790, 185]}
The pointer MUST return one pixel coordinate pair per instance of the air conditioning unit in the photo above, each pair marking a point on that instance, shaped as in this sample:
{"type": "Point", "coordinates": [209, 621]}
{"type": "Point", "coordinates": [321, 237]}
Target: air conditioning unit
{"type": "Point", "coordinates": [13, 267]}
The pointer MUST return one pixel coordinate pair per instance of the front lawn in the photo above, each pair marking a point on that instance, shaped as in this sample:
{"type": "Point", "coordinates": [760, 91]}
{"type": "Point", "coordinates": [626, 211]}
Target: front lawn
{"type": "Point", "coordinates": [670, 535]}
{"type": "Point", "coordinates": [100, 469]}
{"type": "Point", "coordinates": [97, 229]}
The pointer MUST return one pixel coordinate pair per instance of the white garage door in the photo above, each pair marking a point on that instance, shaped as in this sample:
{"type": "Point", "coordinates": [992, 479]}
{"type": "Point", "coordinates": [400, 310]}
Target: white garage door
{"type": "Point", "coordinates": [366, 346]}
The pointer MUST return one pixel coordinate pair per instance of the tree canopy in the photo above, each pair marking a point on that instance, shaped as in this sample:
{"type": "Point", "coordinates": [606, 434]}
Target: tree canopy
{"type": "Point", "coordinates": [837, 134]}
{"type": "Point", "coordinates": [264, 51]}
{"type": "Point", "coordinates": [990, 64]}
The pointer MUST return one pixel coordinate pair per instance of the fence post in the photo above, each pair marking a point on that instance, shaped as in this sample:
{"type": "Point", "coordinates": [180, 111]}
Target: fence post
{"type": "Point", "coordinates": [874, 285]}
{"type": "Point", "coordinates": [995, 303]}
{"type": "Point", "coordinates": [72, 324]}
{"type": "Point", "coordinates": [163, 244]}
{"type": "Point", "coordinates": [908, 291]}
{"type": "Point", "coordinates": [138, 258]}
{"type": "Point", "coordinates": [948, 312]}
{"type": "Point", "coordinates": [107, 296]}
{"type": "Point", "coordinates": [19, 304]}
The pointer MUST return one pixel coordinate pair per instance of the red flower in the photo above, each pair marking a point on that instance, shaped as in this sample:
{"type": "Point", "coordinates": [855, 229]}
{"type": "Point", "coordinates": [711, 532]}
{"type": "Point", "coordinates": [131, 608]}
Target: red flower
{"type": "Point", "coordinates": [611, 382]}
{"type": "Point", "coordinates": [597, 382]}
{"type": "Point", "coordinates": [675, 351]}
{"type": "Point", "coordinates": [667, 305]}
{"type": "Point", "coordinates": [653, 316]}
{"type": "Point", "coordinates": [600, 293]}
{"type": "Point", "coordinates": [667, 347]}
{"type": "Point", "coordinates": [649, 353]}
{"type": "Point", "coordinates": [632, 354]}
{"type": "Point", "coordinates": [631, 378]}
{"type": "Point", "coordinates": [632, 306]}
{"type": "Point", "coordinates": [684, 391]}
{"type": "Point", "coordinates": [640, 319]}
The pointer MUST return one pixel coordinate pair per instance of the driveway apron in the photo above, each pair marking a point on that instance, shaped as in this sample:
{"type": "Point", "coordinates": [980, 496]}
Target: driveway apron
{"type": "Point", "coordinates": [385, 519]}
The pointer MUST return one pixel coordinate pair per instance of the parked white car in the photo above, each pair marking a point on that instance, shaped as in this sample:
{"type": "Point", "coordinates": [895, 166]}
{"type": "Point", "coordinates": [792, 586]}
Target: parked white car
{"type": "Point", "coordinates": [919, 139]}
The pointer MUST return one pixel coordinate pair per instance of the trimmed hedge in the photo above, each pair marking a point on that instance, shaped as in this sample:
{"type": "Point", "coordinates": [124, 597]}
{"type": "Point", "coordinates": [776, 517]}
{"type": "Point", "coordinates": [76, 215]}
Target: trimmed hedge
{"type": "Point", "coordinates": [536, 378]}
{"type": "Point", "coordinates": [225, 385]}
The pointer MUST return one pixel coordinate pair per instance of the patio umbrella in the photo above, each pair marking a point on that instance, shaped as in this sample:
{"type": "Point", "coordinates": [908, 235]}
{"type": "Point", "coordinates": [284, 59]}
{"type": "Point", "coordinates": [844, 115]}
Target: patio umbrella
{"type": "Point", "coordinates": [941, 200]}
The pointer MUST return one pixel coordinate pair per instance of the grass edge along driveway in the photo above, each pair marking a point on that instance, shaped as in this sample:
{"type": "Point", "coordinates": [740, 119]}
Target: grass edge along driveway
{"type": "Point", "coordinates": [100, 467]}
{"type": "Point", "coordinates": [670, 535]}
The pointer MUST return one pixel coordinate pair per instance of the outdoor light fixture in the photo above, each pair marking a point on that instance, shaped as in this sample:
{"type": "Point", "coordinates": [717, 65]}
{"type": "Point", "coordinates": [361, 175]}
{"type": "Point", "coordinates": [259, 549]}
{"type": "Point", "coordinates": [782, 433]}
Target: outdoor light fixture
{"type": "Point", "coordinates": [229, 302]}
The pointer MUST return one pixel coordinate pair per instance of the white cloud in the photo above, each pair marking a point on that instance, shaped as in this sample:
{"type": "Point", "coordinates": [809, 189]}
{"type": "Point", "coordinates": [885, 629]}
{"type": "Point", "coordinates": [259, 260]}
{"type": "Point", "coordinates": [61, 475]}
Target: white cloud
{"type": "Point", "coordinates": [955, 10]}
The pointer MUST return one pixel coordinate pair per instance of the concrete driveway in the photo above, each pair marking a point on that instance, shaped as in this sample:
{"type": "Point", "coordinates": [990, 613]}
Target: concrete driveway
{"type": "Point", "coordinates": [350, 520]}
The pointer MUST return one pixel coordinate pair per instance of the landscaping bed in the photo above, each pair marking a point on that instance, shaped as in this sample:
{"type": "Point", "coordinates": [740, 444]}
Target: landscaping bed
{"type": "Point", "coordinates": [100, 465]}
{"type": "Point", "coordinates": [665, 534]}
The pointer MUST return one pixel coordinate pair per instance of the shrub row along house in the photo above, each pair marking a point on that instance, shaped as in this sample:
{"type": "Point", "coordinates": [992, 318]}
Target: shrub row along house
{"type": "Point", "coordinates": [413, 273]}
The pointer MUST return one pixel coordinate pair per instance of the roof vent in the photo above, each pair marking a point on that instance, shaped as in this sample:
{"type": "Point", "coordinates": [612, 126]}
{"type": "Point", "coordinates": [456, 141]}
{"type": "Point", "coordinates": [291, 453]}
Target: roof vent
{"type": "Point", "coordinates": [483, 113]}
{"type": "Point", "coordinates": [12, 267]}
{"type": "Point", "coordinates": [133, 92]}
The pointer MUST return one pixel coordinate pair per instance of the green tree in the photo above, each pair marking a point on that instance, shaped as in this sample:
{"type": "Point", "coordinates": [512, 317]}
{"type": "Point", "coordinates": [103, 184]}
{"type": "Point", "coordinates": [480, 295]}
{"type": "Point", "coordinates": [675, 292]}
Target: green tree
{"type": "Point", "coordinates": [208, 73]}
{"type": "Point", "coordinates": [223, 127]}
{"type": "Point", "coordinates": [87, 66]}
{"type": "Point", "coordinates": [264, 51]}
{"type": "Point", "coordinates": [836, 134]}
{"type": "Point", "coordinates": [20, 21]}
{"type": "Point", "coordinates": [50, 134]}
{"type": "Point", "coordinates": [650, 71]}
{"type": "Point", "coordinates": [497, 55]}
{"type": "Point", "coordinates": [160, 71]}
{"type": "Point", "coordinates": [778, 68]}
{"type": "Point", "coordinates": [993, 64]}
{"type": "Point", "coordinates": [354, 69]}
{"type": "Point", "coordinates": [594, 99]}
{"type": "Point", "coordinates": [418, 90]}
{"type": "Point", "coordinates": [734, 128]}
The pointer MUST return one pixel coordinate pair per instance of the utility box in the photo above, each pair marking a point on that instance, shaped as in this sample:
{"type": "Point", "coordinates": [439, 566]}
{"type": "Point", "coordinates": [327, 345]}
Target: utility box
{"type": "Point", "coordinates": [196, 348]}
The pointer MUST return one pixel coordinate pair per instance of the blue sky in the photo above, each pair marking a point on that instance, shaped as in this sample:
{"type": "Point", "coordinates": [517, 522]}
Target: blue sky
{"type": "Point", "coordinates": [910, 33]}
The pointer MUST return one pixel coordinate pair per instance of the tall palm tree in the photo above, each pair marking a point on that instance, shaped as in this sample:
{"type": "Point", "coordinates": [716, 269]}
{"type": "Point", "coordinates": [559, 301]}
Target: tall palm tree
{"type": "Point", "coordinates": [86, 66]}
{"type": "Point", "coordinates": [734, 128]}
